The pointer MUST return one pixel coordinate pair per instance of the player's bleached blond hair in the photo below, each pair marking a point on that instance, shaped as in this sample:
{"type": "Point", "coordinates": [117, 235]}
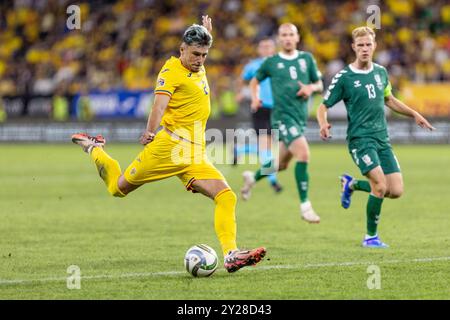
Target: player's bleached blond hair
{"type": "Point", "coordinates": [361, 32]}
{"type": "Point", "coordinates": [197, 35]}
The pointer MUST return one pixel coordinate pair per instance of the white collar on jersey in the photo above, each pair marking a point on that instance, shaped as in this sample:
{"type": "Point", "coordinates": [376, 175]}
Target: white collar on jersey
{"type": "Point", "coordinates": [355, 70]}
{"type": "Point", "coordinates": [288, 57]}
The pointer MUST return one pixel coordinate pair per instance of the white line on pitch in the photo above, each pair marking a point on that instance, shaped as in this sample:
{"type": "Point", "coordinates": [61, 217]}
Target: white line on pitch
{"type": "Point", "coordinates": [175, 273]}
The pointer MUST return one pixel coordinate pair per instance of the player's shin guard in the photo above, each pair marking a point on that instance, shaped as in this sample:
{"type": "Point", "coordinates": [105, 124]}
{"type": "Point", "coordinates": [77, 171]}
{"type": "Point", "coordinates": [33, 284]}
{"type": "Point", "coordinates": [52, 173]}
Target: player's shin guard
{"type": "Point", "coordinates": [302, 179]}
{"type": "Point", "coordinates": [225, 220]}
{"type": "Point", "coordinates": [109, 170]}
{"type": "Point", "coordinates": [373, 214]}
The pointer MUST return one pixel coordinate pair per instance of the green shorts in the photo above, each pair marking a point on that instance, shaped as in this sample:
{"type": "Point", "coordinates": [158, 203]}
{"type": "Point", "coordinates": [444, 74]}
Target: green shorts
{"type": "Point", "coordinates": [369, 153]}
{"type": "Point", "coordinates": [288, 128]}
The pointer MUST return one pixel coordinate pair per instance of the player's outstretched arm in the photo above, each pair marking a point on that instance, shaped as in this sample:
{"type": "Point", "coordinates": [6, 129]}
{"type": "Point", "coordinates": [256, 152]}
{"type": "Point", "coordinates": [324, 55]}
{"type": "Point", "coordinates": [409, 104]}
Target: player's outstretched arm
{"type": "Point", "coordinates": [254, 90]}
{"type": "Point", "coordinates": [325, 127]}
{"type": "Point", "coordinates": [154, 119]}
{"type": "Point", "coordinates": [398, 106]}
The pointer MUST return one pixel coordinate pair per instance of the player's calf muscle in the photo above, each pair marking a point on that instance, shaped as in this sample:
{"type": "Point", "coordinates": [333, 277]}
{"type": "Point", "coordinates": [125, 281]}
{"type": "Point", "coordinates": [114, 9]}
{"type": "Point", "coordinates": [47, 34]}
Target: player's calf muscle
{"type": "Point", "coordinates": [124, 187]}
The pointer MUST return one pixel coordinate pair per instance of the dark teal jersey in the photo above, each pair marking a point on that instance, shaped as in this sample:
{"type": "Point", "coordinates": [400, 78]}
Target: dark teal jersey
{"type": "Point", "coordinates": [363, 92]}
{"type": "Point", "coordinates": [285, 75]}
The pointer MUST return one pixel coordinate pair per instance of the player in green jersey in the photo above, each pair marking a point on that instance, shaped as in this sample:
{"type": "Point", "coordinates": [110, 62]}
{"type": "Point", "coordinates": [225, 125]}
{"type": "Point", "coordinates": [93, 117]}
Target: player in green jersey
{"type": "Point", "coordinates": [294, 78]}
{"type": "Point", "coordinates": [365, 89]}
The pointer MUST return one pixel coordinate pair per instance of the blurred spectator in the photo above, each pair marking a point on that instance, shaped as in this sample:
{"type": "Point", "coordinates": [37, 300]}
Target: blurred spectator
{"type": "Point", "coordinates": [44, 83]}
{"type": "Point", "coordinates": [228, 102]}
{"type": "Point", "coordinates": [60, 106]}
{"type": "Point", "coordinates": [2, 111]}
{"type": "Point", "coordinates": [84, 109]}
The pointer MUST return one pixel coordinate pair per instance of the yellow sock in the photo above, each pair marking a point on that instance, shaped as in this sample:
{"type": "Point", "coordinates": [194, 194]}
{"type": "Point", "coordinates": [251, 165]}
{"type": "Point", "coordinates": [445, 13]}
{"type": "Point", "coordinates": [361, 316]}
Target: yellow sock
{"type": "Point", "coordinates": [225, 220]}
{"type": "Point", "coordinates": [109, 170]}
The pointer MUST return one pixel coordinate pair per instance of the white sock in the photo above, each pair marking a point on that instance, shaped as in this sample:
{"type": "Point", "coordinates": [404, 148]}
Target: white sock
{"type": "Point", "coordinates": [305, 205]}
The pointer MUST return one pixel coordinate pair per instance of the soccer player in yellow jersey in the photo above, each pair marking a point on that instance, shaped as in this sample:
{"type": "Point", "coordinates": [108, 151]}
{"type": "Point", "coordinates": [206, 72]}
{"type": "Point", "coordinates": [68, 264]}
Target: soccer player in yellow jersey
{"type": "Point", "coordinates": [180, 111]}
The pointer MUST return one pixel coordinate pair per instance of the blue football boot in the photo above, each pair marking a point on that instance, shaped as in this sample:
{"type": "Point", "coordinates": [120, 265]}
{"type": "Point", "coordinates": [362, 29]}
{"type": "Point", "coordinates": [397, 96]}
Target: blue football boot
{"type": "Point", "coordinates": [374, 242]}
{"type": "Point", "coordinates": [346, 193]}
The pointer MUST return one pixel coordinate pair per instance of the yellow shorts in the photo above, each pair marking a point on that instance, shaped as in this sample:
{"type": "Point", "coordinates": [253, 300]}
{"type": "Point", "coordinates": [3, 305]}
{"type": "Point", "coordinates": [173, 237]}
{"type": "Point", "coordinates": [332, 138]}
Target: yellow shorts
{"type": "Point", "coordinates": [167, 156]}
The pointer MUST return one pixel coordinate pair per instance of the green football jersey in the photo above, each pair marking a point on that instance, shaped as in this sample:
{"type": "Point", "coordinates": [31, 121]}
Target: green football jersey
{"type": "Point", "coordinates": [285, 73]}
{"type": "Point", "coordinates": [363, 93]}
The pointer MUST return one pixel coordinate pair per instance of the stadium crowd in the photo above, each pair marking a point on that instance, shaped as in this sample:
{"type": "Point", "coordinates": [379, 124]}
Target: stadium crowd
{"type": "Point", "coordinates": [122, 44]}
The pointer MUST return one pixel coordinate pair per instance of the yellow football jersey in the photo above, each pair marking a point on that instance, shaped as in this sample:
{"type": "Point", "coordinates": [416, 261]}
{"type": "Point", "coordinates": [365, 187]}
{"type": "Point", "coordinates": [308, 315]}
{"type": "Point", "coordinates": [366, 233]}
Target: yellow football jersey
{"type": "Point", "coordinates": [189, 106]}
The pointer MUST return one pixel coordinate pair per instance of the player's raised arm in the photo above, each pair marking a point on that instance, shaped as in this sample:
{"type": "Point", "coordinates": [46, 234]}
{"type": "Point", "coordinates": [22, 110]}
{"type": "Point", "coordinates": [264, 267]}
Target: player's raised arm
{"type": "Point", "coordinates": [323, 122]}
{"type": "Point", "coordinates": [254, 90]}
{"type": "Point", "coordinates": [398, 106]}
{"type": "Point", "coordinates": [207, 23]}
{"type": "Point", "coordinates": [154, 119]}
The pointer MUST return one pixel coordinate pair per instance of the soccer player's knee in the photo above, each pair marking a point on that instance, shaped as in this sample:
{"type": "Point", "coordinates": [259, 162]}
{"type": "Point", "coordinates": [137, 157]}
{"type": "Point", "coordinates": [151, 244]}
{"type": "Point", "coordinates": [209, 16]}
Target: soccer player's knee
{"type": "Point", "coordinates": [380, 189]}
{"type": "Point", "coordinates": [396, 192]}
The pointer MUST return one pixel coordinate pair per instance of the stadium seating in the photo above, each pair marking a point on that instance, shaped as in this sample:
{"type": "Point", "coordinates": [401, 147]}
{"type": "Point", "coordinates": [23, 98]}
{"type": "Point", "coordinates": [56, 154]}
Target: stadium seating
{"type": "Point", "coordinates": [122, 44]}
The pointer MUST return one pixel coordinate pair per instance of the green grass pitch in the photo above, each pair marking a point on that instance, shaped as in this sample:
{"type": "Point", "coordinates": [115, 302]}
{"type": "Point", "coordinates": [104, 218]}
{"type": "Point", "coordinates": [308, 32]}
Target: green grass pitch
{"type": "Point", "coordinates": [55, 212]}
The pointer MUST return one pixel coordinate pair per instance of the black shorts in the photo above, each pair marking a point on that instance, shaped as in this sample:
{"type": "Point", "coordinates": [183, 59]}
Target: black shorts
{"type": "Point", "coordinates": [261, 120]}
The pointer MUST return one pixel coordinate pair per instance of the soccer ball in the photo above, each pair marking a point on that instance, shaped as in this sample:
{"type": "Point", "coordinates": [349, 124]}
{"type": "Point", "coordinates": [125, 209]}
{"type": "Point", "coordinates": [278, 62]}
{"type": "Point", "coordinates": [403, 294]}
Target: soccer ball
{"type": "Point", "coordinates": [201, 260]}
